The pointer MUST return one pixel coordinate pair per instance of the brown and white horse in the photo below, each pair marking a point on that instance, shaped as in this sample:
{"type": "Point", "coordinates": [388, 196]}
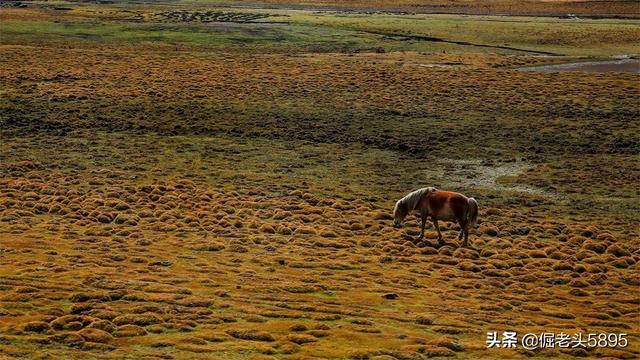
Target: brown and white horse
{"type": "Point", "coordinates": [439, 205]}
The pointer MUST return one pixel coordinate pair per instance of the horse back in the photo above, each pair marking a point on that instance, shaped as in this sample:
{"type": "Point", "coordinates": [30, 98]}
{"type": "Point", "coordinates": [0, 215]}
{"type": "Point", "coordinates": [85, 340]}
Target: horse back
{"type": "Point", "coordinates": [447, 205]}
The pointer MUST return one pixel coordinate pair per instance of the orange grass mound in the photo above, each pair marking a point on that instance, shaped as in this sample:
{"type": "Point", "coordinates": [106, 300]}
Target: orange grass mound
{"type": "Point", "coordinates": [178, 274]}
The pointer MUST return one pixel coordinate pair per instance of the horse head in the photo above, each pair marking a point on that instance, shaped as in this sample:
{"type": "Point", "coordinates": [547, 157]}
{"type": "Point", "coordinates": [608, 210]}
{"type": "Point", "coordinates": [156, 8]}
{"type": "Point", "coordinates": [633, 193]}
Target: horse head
{"type": "Point", "coordinates": [400, 211]}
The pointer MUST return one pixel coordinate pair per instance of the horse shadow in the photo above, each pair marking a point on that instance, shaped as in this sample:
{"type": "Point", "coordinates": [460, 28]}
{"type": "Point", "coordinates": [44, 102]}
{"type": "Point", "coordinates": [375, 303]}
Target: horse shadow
{"type": "Point", "coordinates": [456, 245]}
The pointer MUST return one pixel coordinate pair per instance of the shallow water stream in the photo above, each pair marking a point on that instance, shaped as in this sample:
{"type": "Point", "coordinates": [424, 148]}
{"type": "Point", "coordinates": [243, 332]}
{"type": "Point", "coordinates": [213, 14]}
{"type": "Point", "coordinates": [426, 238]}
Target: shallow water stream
{"type": "Point", "coordinates": [618, 65]}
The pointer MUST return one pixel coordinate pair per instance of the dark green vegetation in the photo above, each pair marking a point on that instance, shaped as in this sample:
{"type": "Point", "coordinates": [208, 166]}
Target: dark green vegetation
{"type": "Point", "coordinates": [193, 182]}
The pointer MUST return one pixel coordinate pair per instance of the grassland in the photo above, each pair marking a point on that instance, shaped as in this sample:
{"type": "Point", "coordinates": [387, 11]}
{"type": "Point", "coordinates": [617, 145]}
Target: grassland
{"type": "Point", "coordinates": [219, 184]}
{"type": "Point", "coordinates": [593, 8]}
{"type": "Point", "coordinates": [296, 31]}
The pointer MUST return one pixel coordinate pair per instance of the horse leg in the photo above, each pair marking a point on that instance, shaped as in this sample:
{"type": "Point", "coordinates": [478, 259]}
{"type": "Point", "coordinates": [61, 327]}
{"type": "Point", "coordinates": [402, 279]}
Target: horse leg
{"type": "Point", "coordinates": [435, 224]}
{"type": "Point", "coordinates": [463, 225]}
{"type": "Point", "coordinates": [423, 222]}
{"type": "Point", "coordinates": [466, 235]}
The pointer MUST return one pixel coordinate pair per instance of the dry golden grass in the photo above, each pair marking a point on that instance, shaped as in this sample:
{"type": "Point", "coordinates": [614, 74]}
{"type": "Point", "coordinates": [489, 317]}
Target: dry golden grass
{"type": "Point", "coordinates": [165, 279]}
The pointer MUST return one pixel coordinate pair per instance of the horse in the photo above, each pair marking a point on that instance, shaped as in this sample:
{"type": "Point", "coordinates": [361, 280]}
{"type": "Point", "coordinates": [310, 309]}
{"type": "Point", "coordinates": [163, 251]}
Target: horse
{"type": "Point", "coordinates": [439, 205]}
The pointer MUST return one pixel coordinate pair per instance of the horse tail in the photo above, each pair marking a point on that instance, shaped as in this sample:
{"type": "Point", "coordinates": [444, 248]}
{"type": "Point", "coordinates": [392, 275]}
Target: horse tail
{"type": "Point", "coordinates": [472, 213]}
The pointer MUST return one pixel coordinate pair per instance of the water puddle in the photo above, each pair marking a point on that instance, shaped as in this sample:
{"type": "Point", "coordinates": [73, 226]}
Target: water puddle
{"type": "Point", "coordinates": [442, 66]}
{"type": "Point", "coordinates": [618, 65]}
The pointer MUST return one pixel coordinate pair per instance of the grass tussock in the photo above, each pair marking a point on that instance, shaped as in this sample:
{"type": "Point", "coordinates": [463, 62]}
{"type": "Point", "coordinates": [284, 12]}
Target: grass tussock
{"type": "Point", "coordinates": [254, 335]}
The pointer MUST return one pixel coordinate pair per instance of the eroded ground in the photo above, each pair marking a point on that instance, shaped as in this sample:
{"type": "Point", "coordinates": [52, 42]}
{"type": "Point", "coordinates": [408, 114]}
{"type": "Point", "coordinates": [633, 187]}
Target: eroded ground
{"type": "Point", "coordinates": [228, 194]}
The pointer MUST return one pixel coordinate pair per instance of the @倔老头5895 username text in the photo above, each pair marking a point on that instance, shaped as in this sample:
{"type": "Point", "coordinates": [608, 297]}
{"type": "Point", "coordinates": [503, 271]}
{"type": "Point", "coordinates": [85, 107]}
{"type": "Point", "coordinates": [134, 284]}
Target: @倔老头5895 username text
{"type": "Point", "coordinates": [545, 340]}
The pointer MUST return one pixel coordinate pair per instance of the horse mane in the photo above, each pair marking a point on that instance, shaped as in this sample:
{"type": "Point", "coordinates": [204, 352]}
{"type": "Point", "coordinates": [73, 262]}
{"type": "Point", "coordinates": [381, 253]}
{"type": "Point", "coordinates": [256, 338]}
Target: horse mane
{"type": "Point", "coordinates": [412, 199]}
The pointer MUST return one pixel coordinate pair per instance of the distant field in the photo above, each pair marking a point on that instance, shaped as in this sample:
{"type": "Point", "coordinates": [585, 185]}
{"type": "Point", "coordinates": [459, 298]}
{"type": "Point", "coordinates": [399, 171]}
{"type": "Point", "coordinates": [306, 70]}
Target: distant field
{"type": "Point", "coordinates": [193, 181]}
{"type": "Point", "coordinates": [513, 7]}
{"type": "Point", "coordinates": [307, 31]}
